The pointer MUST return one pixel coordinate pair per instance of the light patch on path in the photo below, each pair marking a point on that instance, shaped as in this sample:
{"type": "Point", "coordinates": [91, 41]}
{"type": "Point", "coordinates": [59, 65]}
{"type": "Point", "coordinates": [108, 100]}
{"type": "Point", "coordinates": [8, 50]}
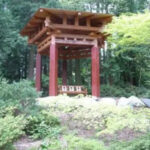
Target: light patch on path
{"type": "Point", "coordinates": [26, 144]}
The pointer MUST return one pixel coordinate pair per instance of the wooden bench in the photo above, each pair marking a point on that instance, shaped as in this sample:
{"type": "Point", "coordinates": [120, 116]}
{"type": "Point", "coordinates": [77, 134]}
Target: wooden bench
{"type": "Point", "coordinates": [72, 90]}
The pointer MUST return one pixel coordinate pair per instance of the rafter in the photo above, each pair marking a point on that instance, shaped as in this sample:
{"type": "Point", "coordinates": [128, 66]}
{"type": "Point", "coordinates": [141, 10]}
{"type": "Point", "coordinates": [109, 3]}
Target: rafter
{"type": "Point", "coordinates": [38, 35]}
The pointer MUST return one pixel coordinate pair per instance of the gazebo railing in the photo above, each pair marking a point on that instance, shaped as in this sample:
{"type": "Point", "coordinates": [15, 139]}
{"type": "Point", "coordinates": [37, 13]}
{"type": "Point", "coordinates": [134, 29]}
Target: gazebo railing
{"type": "Point", "coordinates": [72, 89]}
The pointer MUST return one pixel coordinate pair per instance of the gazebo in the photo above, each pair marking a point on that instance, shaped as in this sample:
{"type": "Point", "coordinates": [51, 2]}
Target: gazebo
{"type": "Point", "coordinates": [64, 34]}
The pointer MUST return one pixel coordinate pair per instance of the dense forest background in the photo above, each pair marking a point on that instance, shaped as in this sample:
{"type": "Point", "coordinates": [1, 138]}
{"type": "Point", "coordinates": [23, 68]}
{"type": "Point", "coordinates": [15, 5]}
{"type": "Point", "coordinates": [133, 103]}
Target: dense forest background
{"type": "Point", "coordinates": [125, 59]}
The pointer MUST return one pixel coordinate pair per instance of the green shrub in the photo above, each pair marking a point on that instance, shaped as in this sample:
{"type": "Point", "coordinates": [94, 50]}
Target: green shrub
{"type": "Point", "coordinates": [10, 129]}
{"type": "Point", "coordinates": [42, 125]}
{"type": "Point", "coordinates": [142, 143]}
{"type": "Point", "coordinates": [107, 90]}
{"type": "Point", "coordinates": [20, 94]}
{"type": "Point", "coordinates": [11, 110]}
{"type": "Point", "coordinates": [8, 146]}
{"type": "Point", "coordinates": [72, 143]}
{"type": "Point", "coordinates": [125, 90]}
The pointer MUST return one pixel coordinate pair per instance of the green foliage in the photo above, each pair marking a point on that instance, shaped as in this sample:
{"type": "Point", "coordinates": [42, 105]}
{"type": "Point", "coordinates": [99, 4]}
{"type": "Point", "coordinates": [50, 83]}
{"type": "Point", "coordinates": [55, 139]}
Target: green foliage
{"type": "Point", "coordinates": [8, 146]}
{"type": "Point", "coordinates": [126, 30]}
{"type": "Point", "coordinates": [127, 59]}
{"type": "Point", "coordinates": [104, 119]}
{"type": "Point", "coordinates": [10, 129]}
{"type": "Point", "coordinates": [11, 110]}
{"type": "Point", "coordinates": [44, 124]}
{"type": "Point", "coordinates": [71, 142]}
{"type": "Point", "coordinates": [107, 90]}
{"type": "Point", "coordinates": [20, 94]}
{"type": "Point", "coordinates": [125, 90]}
{"type": "Point", "coordinates": [136, 144]}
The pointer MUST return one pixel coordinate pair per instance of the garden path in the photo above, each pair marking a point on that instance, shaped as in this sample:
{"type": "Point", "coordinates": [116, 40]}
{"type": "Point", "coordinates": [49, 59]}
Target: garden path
{"type": "Point", "coordinates": [26, 143]}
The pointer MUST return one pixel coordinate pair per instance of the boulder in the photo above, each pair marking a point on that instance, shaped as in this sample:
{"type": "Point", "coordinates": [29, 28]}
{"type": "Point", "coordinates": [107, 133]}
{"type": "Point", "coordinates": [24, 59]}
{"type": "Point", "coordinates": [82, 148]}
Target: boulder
{"type": "Point", "coordinates": [146, 101]}
{"type": "Point", "coordinates": [123, 102]}
{"type": "Point", "coordinates": [132, 101]}
{"type": "Point", "coordinates": [135, 101]}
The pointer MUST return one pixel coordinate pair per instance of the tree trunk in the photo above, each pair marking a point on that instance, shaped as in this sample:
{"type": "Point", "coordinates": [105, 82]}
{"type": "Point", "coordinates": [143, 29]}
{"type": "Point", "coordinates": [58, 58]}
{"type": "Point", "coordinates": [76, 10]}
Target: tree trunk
{"type": "Point", "coordinates": [77, 72]}
{"type": "Point", "coordinates": [31, 65]}
{"type": "Point", "coordinates": [69, 66]}
{"type": "Point", "coordinates": [26, 65]}
{"type": "Point", "coordinates": [97, 7]}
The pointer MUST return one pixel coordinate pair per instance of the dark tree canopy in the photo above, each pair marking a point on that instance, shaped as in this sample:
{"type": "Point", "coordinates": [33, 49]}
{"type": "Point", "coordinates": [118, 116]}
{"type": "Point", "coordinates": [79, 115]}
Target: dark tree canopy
{"type": "Point", "coordinates": [121, 64]}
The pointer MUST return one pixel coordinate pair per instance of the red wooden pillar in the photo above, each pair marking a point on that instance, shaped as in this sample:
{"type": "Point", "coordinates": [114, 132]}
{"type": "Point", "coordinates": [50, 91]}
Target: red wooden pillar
{"type": "Point", "coordinates": [53, 68]}
{"type": "Point", "coordinates": [38, 72]}
{"type": "Point", "coordinates": [95, 71]}
{"type": "Point", "coordinates": [64, 72]}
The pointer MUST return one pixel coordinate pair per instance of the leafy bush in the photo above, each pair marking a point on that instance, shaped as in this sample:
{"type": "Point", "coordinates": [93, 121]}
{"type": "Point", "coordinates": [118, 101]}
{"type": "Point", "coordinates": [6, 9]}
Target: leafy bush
{"type": "Point", "coordinates": [107, 90]}
{"type": "Point", "coordinates": [136, 144]}
{"type": "Point", "coordinates": [20, 94]}
{"type": "Point", "coordinates": [42, 125]}
{"type": "Point", "coordinates": [10, 129]}
{"type": "Point", "coordinates": [72, 143]}
{"type": "Point", "coordinates": [9, 146]}
{"type": "Point", "coordinates": [4, 111]}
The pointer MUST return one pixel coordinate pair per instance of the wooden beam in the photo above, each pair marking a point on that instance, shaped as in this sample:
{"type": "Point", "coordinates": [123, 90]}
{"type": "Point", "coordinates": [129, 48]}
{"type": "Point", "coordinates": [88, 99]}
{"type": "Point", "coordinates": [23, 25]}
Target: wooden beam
{"type": "Point", "coordinates": [75, 57]}
{"type": "Point", "coordinates": [67, 52]}
{"type": "Point", "coordinates": [95, 72]}
{"type": "Point", "coordinates": [88, 22]}
{"type": "Point", "coordinates": [73, 42]}
{"type": "Point", "coordinates": [38, 72]}
{"type": "Point", "coordinates": [74, 36]}
{"type": "Point", "coordinates": [53, 91]}
{"type": "Point", "coordinates": [44, 44]}
{"type": "Point", "coordinates": [65, 20]}
{"type": "Point", "coordinates": [74, 27]}
{"type": "Point", "coordinates": [77, 20]}
{"type": "Point", "coordinates": [44, 47]}
{"type": "Point", "coordinates": [48, 38]}
{"type": "Point", "coordinates": [38, 35]}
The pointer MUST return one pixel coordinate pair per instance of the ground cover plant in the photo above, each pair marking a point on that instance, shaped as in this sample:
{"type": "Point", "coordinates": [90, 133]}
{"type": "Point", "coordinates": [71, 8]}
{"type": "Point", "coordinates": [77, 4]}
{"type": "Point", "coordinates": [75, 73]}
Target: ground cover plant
{"type": "Point", "coordinates": [141, 143]}
{"type": "Point", "coordinates": [71, 142]}
{"type": "Point", "coordinates": [42, 125]}
{"type": "Point", "coordinates": [105, 121]}
{"type": "Point", "coordinates": [17, 101]}
{"type": "Point", "coordinates": [11, 128]}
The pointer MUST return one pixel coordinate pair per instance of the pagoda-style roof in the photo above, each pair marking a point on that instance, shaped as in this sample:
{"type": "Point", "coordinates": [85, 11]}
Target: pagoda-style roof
{"type": "Point", "coordinates": [74, 32]}
{"type": "Point", "coordinates": [57, 16]}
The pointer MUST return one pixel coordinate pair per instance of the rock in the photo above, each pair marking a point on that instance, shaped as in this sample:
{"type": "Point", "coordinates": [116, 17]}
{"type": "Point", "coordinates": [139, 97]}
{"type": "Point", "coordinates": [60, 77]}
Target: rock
{"type": "Point", "coordinates": [108, 101]}
{"type": "Point", "coordinates": [123, 102]}
{"type": "Point", "coordinates": [146, 101]}
{"type": "Point", "coordinates": [134, 101]}
{"type": "Point", "coordinates": [131, 101]}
